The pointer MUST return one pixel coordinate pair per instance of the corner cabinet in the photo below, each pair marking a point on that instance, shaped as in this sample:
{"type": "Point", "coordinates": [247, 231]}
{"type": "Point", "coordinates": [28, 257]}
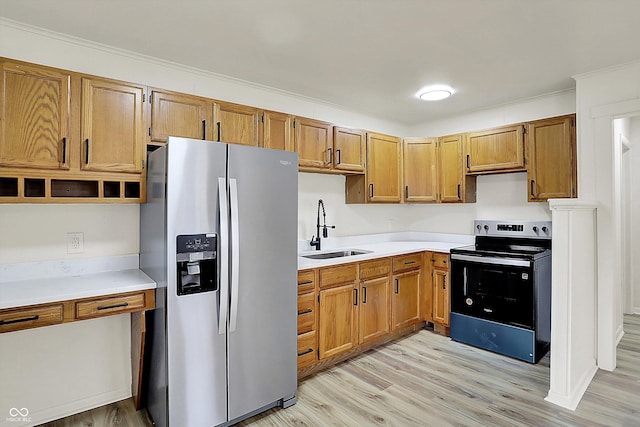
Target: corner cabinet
{"type": "Point", "coordinates": [455, 186]}
{"type": "Point", "coordinates": [495, 150]}
{"type": "Point", "coordinates": [552, 170]}
{"type": "Point", "coordinates": [420, 169]}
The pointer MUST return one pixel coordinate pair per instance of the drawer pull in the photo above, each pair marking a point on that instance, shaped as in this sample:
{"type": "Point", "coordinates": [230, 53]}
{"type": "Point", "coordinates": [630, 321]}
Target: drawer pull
{"type": "Point", "coordinates": [409, 262]}
{"type": "Point", "coordinates": [106, 307]}
{"type": "Point", "coordinates": [24, 319]}
{"type": "Point", "coordinates": [307, 351]}
{"type": "Point", "coordinates": [308, 282]}
{"type": "Point", "coordinates": [307, 311]}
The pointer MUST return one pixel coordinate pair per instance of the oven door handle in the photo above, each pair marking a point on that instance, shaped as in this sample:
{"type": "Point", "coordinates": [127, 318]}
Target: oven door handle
{"type": "Point", "coordinates": [492, 260]}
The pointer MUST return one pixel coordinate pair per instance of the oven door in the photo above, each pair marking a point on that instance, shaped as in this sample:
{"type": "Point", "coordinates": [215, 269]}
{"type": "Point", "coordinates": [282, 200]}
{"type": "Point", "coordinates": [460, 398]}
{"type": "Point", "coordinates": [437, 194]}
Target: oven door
{"type": "Point", "coordinates": [497, 289]}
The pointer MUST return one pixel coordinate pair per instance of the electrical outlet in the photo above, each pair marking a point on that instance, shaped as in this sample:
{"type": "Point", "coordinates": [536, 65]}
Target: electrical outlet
{"type": "Point", "coordinates": [75, 243]}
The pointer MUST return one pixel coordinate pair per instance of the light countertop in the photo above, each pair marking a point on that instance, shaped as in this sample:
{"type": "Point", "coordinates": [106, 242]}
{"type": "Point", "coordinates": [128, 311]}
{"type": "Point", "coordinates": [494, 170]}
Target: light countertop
{"type": "Point", "coordinates": [380, 245]}
{"type": "Point", "coordinates": [70, 280]}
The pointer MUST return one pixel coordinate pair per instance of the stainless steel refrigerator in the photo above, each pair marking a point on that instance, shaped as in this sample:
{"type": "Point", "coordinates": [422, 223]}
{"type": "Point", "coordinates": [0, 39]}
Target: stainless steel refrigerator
{"type": "Point", "coordinates": [218, 233]}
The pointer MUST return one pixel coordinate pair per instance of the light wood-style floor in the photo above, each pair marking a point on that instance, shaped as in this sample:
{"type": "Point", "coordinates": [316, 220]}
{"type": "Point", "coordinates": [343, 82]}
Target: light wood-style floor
{"type": "Point", "coordinates": [428, 380]}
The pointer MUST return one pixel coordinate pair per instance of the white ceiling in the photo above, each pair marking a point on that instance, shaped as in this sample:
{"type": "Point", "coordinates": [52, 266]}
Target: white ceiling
{"type": "Point", "coordinates": [370, 56]}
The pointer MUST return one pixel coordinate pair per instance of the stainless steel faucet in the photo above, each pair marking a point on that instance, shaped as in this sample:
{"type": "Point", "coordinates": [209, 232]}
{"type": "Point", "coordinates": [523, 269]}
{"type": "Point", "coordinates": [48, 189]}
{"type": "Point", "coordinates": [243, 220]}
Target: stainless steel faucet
{"type": "Point", "coordinates": [315, 241]}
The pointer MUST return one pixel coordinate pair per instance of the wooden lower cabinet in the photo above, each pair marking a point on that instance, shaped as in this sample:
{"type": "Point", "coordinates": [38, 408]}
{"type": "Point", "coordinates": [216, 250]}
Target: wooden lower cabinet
{"type": "Point", "coordinates": [373, 312]}
{"type": "Point", "coordinates": [338, 326]}
{"type": "Point", "coordinates": [441, 282]}
{"type": "Point", "coordinates": [307, 349]}
{"type": "Point", "coordinates": [405, 308]}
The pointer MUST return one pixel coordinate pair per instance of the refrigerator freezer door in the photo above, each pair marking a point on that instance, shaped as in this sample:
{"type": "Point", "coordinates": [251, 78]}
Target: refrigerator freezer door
{"type": "Point", "coordinates": [196, 352]}
{"type": "Point", "coordinates": [262, 349]}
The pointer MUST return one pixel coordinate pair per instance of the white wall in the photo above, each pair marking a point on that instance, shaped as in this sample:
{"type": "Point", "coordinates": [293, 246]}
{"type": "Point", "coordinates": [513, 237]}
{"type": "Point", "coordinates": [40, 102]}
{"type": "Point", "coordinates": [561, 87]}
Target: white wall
{"type": "Point", "coordinates": [635, 216]}
{"type": "Point", "coordinates": [603, 96]}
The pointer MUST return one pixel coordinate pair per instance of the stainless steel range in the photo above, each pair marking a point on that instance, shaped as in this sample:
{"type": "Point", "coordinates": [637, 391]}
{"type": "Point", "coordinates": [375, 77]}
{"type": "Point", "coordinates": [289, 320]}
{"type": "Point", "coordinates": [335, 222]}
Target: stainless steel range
{"type": "Point", "coordinates": [501, 289]}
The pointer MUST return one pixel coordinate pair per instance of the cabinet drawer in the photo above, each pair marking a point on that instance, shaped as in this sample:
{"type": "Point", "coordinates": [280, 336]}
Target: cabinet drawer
{"type": "Point", "coordinates": [337, 275]}
{"type": "Point", "coordinates": [112, 305]}
{"type": "Point", "coordinates": [306, 313]}
{"type": "Point", "coordinates": [306, 281]}
{"type": "Point", "coordinates": [375, 268]}
{"type": "Point", "coordinates": [407, 262]}
{"type": "Point", "coordinates": [33, 317]}
{"type": "Point", "coordinates": [440, 260]}
{"type": "Point", "coordinates": [307, 349]}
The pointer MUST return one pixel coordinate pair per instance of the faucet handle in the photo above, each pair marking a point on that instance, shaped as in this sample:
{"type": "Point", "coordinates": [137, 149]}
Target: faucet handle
{"type": "Point", "coordinates": [325, 232]}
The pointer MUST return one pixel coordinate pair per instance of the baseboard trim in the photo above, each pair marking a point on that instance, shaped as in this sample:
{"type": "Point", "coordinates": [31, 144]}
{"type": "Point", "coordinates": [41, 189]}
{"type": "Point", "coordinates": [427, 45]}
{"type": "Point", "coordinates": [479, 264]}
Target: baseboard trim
{"type": "Point", "coordinates": [619, 334]}
{"type": "Point", "coordinates": [37, 417]}
{"type": "Point", "coordinates": [572, 400]}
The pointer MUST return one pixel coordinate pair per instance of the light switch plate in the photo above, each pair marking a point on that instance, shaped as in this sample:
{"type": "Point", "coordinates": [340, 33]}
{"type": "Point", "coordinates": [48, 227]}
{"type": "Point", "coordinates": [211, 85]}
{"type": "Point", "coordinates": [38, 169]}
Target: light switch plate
{"type": "Point", "coordinates": [75, 243]}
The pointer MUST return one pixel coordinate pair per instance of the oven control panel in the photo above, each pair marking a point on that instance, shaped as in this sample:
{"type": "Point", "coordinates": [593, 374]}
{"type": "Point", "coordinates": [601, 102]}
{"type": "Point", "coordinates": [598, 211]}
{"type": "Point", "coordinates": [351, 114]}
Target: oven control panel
{"type": "Point", "coordinates": [527, 229]}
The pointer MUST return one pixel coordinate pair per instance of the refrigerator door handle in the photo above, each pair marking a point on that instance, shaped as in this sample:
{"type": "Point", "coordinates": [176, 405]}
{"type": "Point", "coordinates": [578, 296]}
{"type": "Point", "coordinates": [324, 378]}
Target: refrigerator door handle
{"type": "Point", "coordinates": [224, 254]}
{"type": "Point", "coordinates": [235, 252]}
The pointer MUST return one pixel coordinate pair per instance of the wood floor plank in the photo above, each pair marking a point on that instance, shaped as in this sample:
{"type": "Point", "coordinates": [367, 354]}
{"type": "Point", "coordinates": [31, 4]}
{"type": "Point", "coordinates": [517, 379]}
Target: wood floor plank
{"type": "Point", "coordinates": [427, 379]}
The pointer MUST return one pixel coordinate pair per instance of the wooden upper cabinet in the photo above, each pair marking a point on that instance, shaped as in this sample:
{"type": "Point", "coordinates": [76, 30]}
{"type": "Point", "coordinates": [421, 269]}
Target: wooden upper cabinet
{"type": "Point", "coordinates": [383, 168]}
{"type": "Point", "coordinates": [275, 131]}
{"type": "Point", "coordinates": [34, 108]}
{"type": "Point", "coordinates": [112, 126]}
{"type": "Point", "coordinates": [420, 169]}
{"type": "Point", "coordinates": [313, 141]}
{"type": "Point", "coordinates": [495, 150]}
{"type": "Point", "coordinates": [552, 158]}
{"type": "Point", "coordinates": [454, 185]}
{"type": "Point", "coordinates": [349, 150]}
{"type": "Point", "coordinates": [177, 114]}
{"type": "Point", "coordinates": [236, 124]}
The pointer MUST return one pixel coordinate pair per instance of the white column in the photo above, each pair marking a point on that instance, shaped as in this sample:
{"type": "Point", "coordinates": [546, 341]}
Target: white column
{"type": "Point", "coordinates": [573, 301]}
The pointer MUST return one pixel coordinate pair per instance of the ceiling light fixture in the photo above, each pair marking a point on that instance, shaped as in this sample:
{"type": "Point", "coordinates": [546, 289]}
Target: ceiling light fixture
{"type": "Point", "coordinates": [435, 93]}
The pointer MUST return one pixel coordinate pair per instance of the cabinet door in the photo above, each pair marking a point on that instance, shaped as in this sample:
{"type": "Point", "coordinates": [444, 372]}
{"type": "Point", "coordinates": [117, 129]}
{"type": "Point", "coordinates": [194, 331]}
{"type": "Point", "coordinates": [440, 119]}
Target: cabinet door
{"type": "Point", "coordinates": [276, 131]}
{"type": "Point", "coordinates": [176, 114]}
{"type": "Point", "coordinates": [374, 309]}
{"type": "Point", "coordinates": [34, 121]}
{"type": "Point", "coordinates": [349, 149]}
{"type": "Point", "coordinates": [420, 168]}
{"type": "Point", "coordinates": [314, 142]}
{"type": "Point", "coordinates": [405, 299]}
{"type": "Point", "coordinates": [552, 158]}
{"type": "Point", "coordinates": [383, 168]}
{"type": "Point", "coordinates": [441, 297]}
{"type": "Point", "coordinates": [496, 150]}
{"type": "Point", "coordinates": [236, 124]}
{"type": "Point", "coordinates": [112, 125]}
{"type": "Point", "coordinates": [338, 322]}
{"type": "Point", "coordinates": [450, 168]}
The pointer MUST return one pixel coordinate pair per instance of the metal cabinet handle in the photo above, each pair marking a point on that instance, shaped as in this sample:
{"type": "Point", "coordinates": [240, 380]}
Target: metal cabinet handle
{"type": "Point", "coordinates": [371, 191]}
{"type": "Point", "coordinates": [364, 294]}
{"type": "Point", "coordinates": [406, 192]}
{"type": "Point", "coordinates": [204, 129]}
{"type": "Point", "coordinates": [307, 351]}
{"type": "Point", "coordinates": [106, 307]}
{"type": "Point", "coordinates": [219, 126]}
{"type": "Point", "coordinates": [330, 151]}
{"type": "Point", "coordinates": [338, 154]}
{"type": "Point", "coordinates": [24, 319]}
{"type": "Point", "coordinates": [397, 287]}
{"type": "Point", "coordinates": [307, 311]}
{"type": "Point", "coordinates": [86, 151]}
{"type": "Point", "coordinates": [308, 282]}
{"type": "Point", "coordinates": [533, 184]}
{"type": "Point", "coordinates": [409, 262]}
{"type": "Point", "coordinates": [458, 191]}
{"type": "Point", "coordinates": [64, 150]}
{"type": "Point", "coordinates": [356, 300]}
{"type": "Point", "coordinates": [468, 162]}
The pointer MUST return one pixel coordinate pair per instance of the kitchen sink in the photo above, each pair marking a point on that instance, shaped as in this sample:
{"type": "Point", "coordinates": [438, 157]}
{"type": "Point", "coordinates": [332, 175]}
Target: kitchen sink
{"type": "Point", "coordinates": [337, 254]}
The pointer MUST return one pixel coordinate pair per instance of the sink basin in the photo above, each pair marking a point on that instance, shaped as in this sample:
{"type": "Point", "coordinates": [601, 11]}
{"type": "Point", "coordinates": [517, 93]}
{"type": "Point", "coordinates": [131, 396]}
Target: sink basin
{"type": "Point", "coordinates": [336, 254]}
